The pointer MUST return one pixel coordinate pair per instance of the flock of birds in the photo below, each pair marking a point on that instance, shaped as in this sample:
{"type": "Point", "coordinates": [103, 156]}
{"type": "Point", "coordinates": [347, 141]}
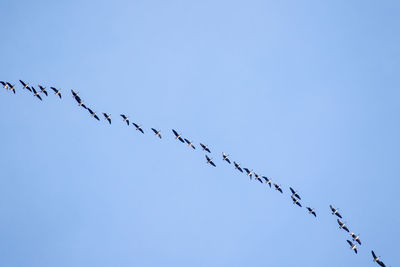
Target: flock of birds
{"type": "Point", "coordinates": [250, 173]}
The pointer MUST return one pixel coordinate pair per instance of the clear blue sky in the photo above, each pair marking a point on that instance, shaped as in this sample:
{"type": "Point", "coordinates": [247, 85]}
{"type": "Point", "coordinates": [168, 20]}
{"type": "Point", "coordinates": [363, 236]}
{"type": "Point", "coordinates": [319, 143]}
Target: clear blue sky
{"type": "Point", "coordinates": [306, 92]}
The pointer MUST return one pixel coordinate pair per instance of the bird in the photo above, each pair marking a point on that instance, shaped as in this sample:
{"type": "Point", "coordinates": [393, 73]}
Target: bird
{"type": "Point", "coordinates": [311, 211]}
{"type": "Point", "coordinates": [295, 201]}
{"type": "Point", "coordinates": [5, 85]}
{"type": "Point", "coordinates": [335, 212]}
{"type": "Point", "coordinates": [352, 246]}
{"type": "Point", "coordinates": [25, 85]}
{"type": "Point", "coordinates": [356, 238]}
{"type": "Point", "coordinates": [93, 114]}
{"type": "Point", "coordinates": [74, 94]}
{"type": "Point", "coordinates": [190, 143]}
{"type": "Point", "coordinates": [156, 133]}
{"type": "Point", "coordinates": [267, 180]}
{"type": "Point", "coordinates": [125, 118]}
{"type": "Point", "coordinates": [225, 157]}
{"type": "Point", "coordinates": [36, 93]}
{"type": "Point", "coordinates": [43, 89]}
{"type": "Point", "coordinates": [56, 91]}
{"type": "Point", "coordinates": [107, 117]}
{"type": "Point", "coordinates": [294, 193]}
{"type": "Point", "coordinates": [237, 166]}
{"type": "Point", "coordinates": [83, 105]}
{"type": "Point", "coordinates": [178, 136]}
{"type": "Point", "coordinates": [249, 173]}
{"type": "Point", "coordinates": [138, 127]}
{"type": "Point", "coordinates": [210, 161]}
{"type": "Point", "coordinates": [342, 225]}
{"type": "Point", "coordinates": [257, 177]}
{"type": "Point", "coordinates": [377, 260]}
{"type": "Point", "coordinates": [11, 87]}
{"type": "Point", "coordinates": [205, 148]}
{"type": "Point", "coordinates": [277, 187]}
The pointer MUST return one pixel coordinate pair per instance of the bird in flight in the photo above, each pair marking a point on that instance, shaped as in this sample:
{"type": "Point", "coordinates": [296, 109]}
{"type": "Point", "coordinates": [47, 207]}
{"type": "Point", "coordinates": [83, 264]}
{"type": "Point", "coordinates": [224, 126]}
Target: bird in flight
{"type": "Point", "coordinates": [43, 89]}
{"type": "Point", "coordinates": [36, 93]}
{"type": "Point", "coordinates": [249, 173]}
{"type": "Point", "coordinates": [225, 157]}
{"type": "Point", "coordinates": [277, 187]}
{"type": "Point", "coordinates": [5, 85]}
{"type": "Point", "coordinates": [205, 148]}
{"type": "Point", "coordinates": [125, 118]}
{"type": "Point", "coordinates": [11, 87]}
{"type": "Point", "coordinates": [138, 127]}
{"type": "Point", "coordinates": [342, 225]}
{"type": "Point", "coordinates": [295, 201]}
{"type": "Point", "coordinates": [25, 85]}
{"type": "Point", "coordinates": [210, 161]}
{"type": "Point", "coordinates": [352, 246]}
{"type": "Point", "coordinates": [93, 114]}
{"type": "Point", "coordinates": [377, 260]}
{"type": "Point", "coordinates": [189, 143]}
{"type": "Point", "coordinates": [178, 136]}
{"type": "Point", "coordinates": [294, 193]}
{"type": "Point", "coordinates": [56, 91]}
{"type": "Point", "coordinates": [257, 177]}
{"type": "Point", "coordinates": [267, 180]}
{"type": "Point", "coordinates": [156, 133]}
{"type": "Point", "coordinates": [335, 211]}
{"type": "Point", "coordinates": [107, 117]}
{"type": "Point", "coordinates": [356, 238]}
{"type": "Point", "coordinates": [237, 166]}
{"type": "Point", "coordinates": [311, 211]}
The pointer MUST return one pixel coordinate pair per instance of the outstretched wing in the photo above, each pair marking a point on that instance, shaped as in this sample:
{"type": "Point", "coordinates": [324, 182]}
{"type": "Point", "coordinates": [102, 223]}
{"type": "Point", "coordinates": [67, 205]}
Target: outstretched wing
{"type": "Point", "coordinates": [175, 133]}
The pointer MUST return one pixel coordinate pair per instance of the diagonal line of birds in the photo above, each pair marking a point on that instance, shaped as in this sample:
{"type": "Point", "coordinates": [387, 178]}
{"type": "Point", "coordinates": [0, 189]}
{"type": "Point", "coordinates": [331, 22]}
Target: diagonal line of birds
{"type": "Point", "coordinates": [295, 196]}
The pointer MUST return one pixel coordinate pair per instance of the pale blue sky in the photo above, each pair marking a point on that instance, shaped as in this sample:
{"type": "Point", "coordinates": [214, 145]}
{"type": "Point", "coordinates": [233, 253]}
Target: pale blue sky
{"type": "Point", "coordinates": [306, 92]}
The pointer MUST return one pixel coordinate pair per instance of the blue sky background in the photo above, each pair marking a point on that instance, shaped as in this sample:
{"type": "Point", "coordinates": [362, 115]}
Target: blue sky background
{"type": "Point", "coordinates": [306, 92]}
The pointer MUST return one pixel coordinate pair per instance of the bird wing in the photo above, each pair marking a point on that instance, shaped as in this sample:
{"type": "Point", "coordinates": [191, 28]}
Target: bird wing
{"type": "Point", "coordinates": [109, 120]}
{"type": "Point", "coordinates": [355, 250]}
{"type": "Point", "coordinates": [280, 190]}
{"type": "Point", "coordinates": [38, 96]}
{"type": "Point", "coordinates": [212, 163]}
{"type": "Point", "coordinates": [134, 124]}
{"type": "Point", "coordinates": [45, 92]}
{"type": "Point", "coordinates": [247, 170]}
{"type": "Point", "coordinates": [380, 263]}
{"type": "Point", "coordinates": [240, 169]}
{"type": "Point", "coordinates": [54, 89]}
{"type": "Point", "coordinates": [313, 213]}
{"type": "Point", "coordinates": [24, 84]}
{"type": "Point", "coordinates": [373, 254]}
{"type": "Point", "coordinates": [228, 161]}
{"type": "Point", "coordinates": [105, 114]}
{"type": "Point", "coordinates": [207, 158]}
{"type": "Point", "coordinates": [358, 241]}
{"type": "Point", "coordinates": [154, 130]}
{"type": "Point", "coordinates": [59, 95]}
{"type": "Point", "coordinates": [180, 139]}
{"type": "Point", "coordinates": [97, 118]}
{"type": "Point", "coordinates": [84, 106]}
{"type": "Point", "coordinates": [123, 116]}
{"type": "Point", "coordinates": [90, 111]}
{"type": "Point", "coordinates": [350, 243]}
{"type": "Point", "coordinates": [9, 84]}
{"type": "Point", "coordinates": [345, 228]}
{"type": "Point", "coordinates": [298, 203]}
{"type": "Point", "coordinates": [3, 83]}
{"type": "Point", "coordinates": [203, 146]}
{"type": "Point", "coordinates": [34, 91]}
{"type": "Point", "coordinates": [338, 214]}
{"type": "Point", "coordinates": [141, 130]}
{"type": "Point", "coordinates": [291, 189]}
{"type": "Point", "coordinates": [175, 133]}
{"type": "Point", "coordinates": [187, 141]}
{"type": "Point", "coordinates": [332, 208]}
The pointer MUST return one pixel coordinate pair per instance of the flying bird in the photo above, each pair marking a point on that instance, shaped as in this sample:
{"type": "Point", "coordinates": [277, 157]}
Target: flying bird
{"type": "Point", "coordinates": [225, 157]}
{"type": "Point", "coordinates": [178, 136]}
{"type": "Point", "coordinates": [352, 246]}
{"type": "Point", "coordinates": [205, 148]}
{"type": "Point", "coordinates": [277, 187]}
{"type": "Point", "coordinates": [267, 180]}
{"type": "Point", "coordinates": [190, 143]}
{"type": "Point", "coordinates": [11, 87]}
{"type": "Point", "coordinates": [138, 127]}
{"type": "Point", "coordinates": [294, 193]}
{"type": "Point", "coordinates": [210, 161]}
{"type": "Point", "coordinates": [93, 114]}
{"type": "Point", "coordinates": [335, 212]}
{"type": "Point", "coordinates": [257, 177]}
{"type": "Point", "coordinates": [377, 260]}
{"type": "Point", "coordinates": [107, 117]}
{"type": "Point", "coordinates": [56, 91]}
{"type": "Point", "coordinates": [295, 201]}
{"type": "Point", "coordinates": [36, 93]}
{"type": "Point", "coordinates": [249, 173]}
{"type": "Point", "coordinates": [356, 238]}
{"type": "Point", "coordinates": [43, 89]}
{"type": "Point", "coordinates": [342, 225]}
{"type": "Point", "coordinates": [125, 118]}
{"type": "Point", "coordinates": [25, 86]}
{"type": "Point", "coordinates": [5, 85]}
{"type": "Point", "coordinates": [74, 94]}
{"type": "Point", "coordinates": [311, 211]}
{"type": "Point", "coordinates": [156, 133]}
{"type": "Point", "coordinates": [237, 166]}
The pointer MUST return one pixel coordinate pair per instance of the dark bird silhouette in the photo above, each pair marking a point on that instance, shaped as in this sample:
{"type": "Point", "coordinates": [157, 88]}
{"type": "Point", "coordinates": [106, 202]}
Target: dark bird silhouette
{"type": "Point", "coordinates": [352, 246]}
{"type": "Point", "coordinates": [156, 133]}
{"type": "Point", "coordinates": [356, 238]}
{"type": "Point", "coordinates": [11, 87]}
{"type": "Point", "coordinates": [342, 225]}
{"type": "Point", "coordinates": [93, 114]}
{"type": "Point", "coordinates": [107, 117]}
{"type": "Point", "coordinates": [5, 85]}
{"type": "Point", "coordinates": [83, 105]}
{"type": "Point", "coordinates": [43, 89]}
{"type": "Point", "coordinates": [190, 143]}
{"type": "Point", "coordinates": [125, 118]}
{"type": "Point", "coordinates": [74, 94]}
{"type": "Point", "coordinates": [205, 148]}
{"type": "Point", "coordinates": [277, 187]}
{"type": "Point", "coordinates": [377, 260]}
{"type": "Point", "coordinates": [237, 166]}
{"type": "Point", "coordinates": [225, 157]}
{"type": "Point", "coordinates": [267, 180]}
{"type": "Point", "coordinates": [56, 91]}
{"type": "Point", "coordinates": [294, 193]}
{"type": "Point", "coordinates": [210, 161]}
{"type": "Point", "coordinates": [295, 201]}
{"type": "Point", "coordinates": [335, 212]}
{"type": "Point", "coordinates": [25, 85]}
{"type": "Point", "coordinates": [138, 127]}
{"type": "Point", "coordinates": [249, 173]}
{"type": "Point", "coordinates": [36, 93]}
{"type": "Point", "coordinates": [178, 136]}
{"type": "Point", "coordinates": [311, 211]}
{"type": "Point", "coordinates": [257, 177]}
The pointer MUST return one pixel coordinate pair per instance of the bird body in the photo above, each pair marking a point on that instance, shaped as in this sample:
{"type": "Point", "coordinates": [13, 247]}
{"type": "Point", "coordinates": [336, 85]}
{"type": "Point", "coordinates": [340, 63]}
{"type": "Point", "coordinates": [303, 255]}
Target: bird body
{"type": "Point", "coordinates": [178, 136]}
{"type": "Point", "coordinates": [377, 260]}
{"type": "Point", "coordinates": [189, 143]}
{"type": "Point", "coordinates": [138, 127]}
{"type": "Point", "coordinates": [43, 89]}
{"type": "Point", "coordinates": [277, 187]}
{"type": "Point", "coordinates": [93, 114]}
{"type": "Point", "coordinates": [342, 225]}
{"type": "Point", "coordinates": [125, 119]}
{"type": "Point", "coordinates": [237, 166]}
{"type": "Point", "coordinates": [267, 180]}
{"type": "Point", "coordinates": [352, 246]}
{"type": "Point", "coordinates": [209, 161]}
{"type": "Point", "coordinates": [335, 212]}
{"type": "Point", "coordinates": [205, 148]}
{"type": "Point", "coordinates": [25, 85]}
{"type": "Point", "coordinates": [156, 133]}
{"type": "Point", "coordinates": [311, 211]}
{"type": "Point", "coordinates": [225, 157]}
{"type": "Point", "coordinates": [107, 117]}
{"type": "Point", "coordinates": [56, 91]}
